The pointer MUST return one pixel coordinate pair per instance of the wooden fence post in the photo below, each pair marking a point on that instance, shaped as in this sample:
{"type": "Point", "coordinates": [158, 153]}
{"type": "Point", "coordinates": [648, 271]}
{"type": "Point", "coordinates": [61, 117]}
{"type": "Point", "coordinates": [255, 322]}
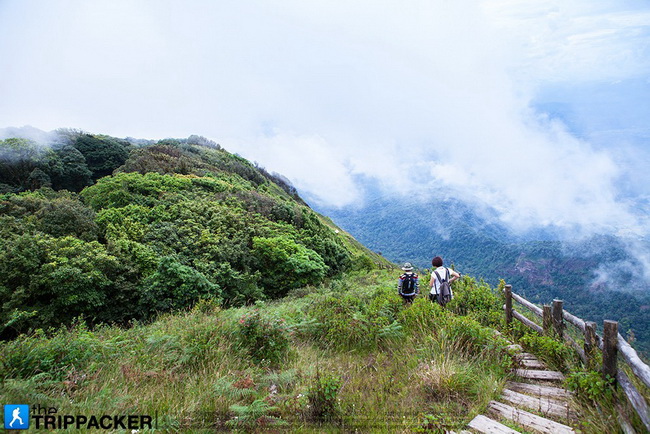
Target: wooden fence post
{"type": "Point", "coordinates": [610, 339]}
{"type": "Point", "coordinates": [508, 290]}
{"type": "Point", "coordinates": [547, 321]}
{"type": "Point", "coordinates": [558, 319]}
{"type": "Point", "coordinates": [591, 345]}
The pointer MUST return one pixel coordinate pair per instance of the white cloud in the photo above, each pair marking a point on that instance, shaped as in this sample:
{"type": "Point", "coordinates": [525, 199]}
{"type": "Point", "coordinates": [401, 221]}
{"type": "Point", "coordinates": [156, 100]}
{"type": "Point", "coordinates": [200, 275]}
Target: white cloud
{"type": "Point", "coordinates": [322, 92]}
{"type": "Point", "coordinates": [323, 173]}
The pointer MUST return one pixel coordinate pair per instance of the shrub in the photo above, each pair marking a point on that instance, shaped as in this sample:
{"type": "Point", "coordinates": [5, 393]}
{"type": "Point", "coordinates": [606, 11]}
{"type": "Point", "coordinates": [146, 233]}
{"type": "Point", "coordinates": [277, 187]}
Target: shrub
{"type": "Point", "coordinates": [265, 339]}
{"type": "Point", "coordinates": [60, 278]}
{"type": "Point", "coordinates": [549, 350]}
{"type": "Point", "coordinates": [103, 154]}
{"type": "Point", "coordinates": [386, 304]}
{"type": "Point", "coordinates": [464, 336]}
{"type": "Point", "coordinates": [287, 265]}
{"type": "Point", "coordinates": [342, 323]}
{"type": "Point", "coordinates": [590, 386]}
{"type": "Point", "coordinates": [322, 396]}
{"type": "Point", "coordinates": [478, 301]}
{"type": "Point", "coordinates": [34, 354]}
{"type": "Point", "coordinates": [175, 286]}
{"type": "Point", "coordinates": [422, 316]}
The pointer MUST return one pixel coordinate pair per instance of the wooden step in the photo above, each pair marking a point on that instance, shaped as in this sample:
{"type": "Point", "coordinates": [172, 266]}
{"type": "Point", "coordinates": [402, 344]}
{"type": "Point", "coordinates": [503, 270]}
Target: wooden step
{"type": "Point", "coordinates": [525, 356]}
{"type": "Point", "coordinates": [529, 420]}
{"type": "Point", "coordinates": [532, 364]}
{"type": "Point", "coordinates": [515, 348]}
{"type": "Point", "coordinates": [486, 425]}
{"type": "Point", "coordinates": [545, 406]}
{"type": "Point", "coordinates": [533, 374]}
{"type": "Point", "coordinates": [539, 390]}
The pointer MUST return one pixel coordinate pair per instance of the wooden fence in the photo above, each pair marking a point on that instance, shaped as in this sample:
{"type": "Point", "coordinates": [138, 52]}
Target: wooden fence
{"type": "Point", "coordinates": [611, 344]}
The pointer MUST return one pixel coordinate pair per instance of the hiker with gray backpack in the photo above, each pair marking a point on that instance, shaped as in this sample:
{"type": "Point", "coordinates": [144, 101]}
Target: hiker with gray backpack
{"type": "Point", "coordinates": [441, 279]}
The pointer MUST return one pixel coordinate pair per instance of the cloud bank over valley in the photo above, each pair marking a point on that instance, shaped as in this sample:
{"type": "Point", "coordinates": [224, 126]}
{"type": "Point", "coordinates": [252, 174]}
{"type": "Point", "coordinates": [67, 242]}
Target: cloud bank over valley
{"type": "Point", "coordinates": [535, 110]}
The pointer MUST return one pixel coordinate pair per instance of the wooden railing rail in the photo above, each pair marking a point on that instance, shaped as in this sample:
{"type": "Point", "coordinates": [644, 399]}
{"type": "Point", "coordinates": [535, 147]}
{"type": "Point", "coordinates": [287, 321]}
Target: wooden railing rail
{"type": "Point", "coordinates": [612, 344]}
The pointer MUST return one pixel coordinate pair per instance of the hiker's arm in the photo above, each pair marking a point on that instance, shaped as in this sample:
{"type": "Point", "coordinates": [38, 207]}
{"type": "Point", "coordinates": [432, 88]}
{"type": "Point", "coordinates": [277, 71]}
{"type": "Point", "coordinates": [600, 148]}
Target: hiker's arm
{"type": "Point", "coordinates": [433, 276]}
{"type": "Point", "coordinates": [454, 276]}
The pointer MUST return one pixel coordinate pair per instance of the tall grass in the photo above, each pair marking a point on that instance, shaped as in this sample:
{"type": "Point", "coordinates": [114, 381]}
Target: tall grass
{"type": "Point", "coordinates": [356, 358]}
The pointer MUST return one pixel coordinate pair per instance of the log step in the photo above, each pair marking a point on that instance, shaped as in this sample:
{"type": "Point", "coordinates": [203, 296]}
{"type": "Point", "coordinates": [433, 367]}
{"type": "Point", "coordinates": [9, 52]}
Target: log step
{"type": "Point", "coordinates": [486, 425]}
{"type": "Point", "coordinates": [529, 356]}
{"type": "Point", "coordinates": [533, 374]}
{"type": "Point", "coordinates": [546, 406]}
{"type": "Point", "coordinates": [532, 364]}
{"type": "Point", "coordinates": [514, 348]}
{"type": "Point", "coordinates": [539, 390]}
{"type": "Point", "coordinates": [529, 420]}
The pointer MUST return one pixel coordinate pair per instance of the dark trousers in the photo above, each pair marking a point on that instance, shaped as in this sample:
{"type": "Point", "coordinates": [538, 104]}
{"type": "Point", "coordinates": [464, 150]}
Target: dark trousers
{"type": "Point", "coordinates": [408, 298]}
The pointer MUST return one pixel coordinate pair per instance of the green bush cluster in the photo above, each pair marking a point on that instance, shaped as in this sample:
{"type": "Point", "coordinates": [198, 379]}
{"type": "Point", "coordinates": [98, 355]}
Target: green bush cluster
{"type": "Point", "coordinates": [423, 316]}
{"type": "Point", "coordinates": [555, 353]}
{"type": "Point", "coordinates": [65, 350]}
{"type": "Point", "coordinates": [590, 386]}
{"type": "Point", "coordinates": [73, 161]}
{"type": "Point", "coordinates": [265, 339]}
{"type": "Point", "coordinates": [468, 334]}
{"type": "Point", "coordinates": [287, 265]}
{"type": "Point", "coordinates": [478, 301]}
{"type": "Point", "coordinates": [348, 322]}
{"type": "Point", "coordinates": [178, 221]}
{"type": "Point", "coordinates": [323, 397]}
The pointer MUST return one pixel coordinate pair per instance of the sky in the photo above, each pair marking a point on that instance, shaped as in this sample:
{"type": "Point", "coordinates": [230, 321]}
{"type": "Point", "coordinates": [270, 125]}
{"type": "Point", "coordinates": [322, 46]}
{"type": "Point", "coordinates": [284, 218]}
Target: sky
{"type": "Point", "coordinates": [537, 109]}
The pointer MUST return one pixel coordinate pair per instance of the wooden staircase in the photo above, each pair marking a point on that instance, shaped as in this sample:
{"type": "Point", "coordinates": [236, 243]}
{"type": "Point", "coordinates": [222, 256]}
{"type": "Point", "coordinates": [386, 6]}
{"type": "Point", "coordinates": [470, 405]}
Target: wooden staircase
{"type": "Point", "coordinates": [534, 403]}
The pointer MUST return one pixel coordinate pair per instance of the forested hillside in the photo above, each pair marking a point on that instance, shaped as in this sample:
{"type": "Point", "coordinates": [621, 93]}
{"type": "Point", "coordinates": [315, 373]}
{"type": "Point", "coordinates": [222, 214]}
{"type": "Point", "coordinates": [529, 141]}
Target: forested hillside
{"type": "Point", "coordinates": [115, 230]}
{"type": "Point", "coordinates": [416, 231]}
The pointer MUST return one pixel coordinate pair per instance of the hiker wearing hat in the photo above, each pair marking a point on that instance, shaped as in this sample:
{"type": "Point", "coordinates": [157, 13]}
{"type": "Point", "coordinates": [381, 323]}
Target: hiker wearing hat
{"type": "Point", "coordinates": [441, 279]}
{"type": "Point", "coordinates": [408, 285]}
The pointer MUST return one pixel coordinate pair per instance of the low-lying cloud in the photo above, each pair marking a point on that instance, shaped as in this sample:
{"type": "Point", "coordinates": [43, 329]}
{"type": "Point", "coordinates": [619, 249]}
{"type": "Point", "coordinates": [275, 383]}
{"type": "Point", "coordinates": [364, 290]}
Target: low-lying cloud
{"type": "Point", "coordinates": [427, 98]}
{"type": "Point", "coordinates": [461, 118]}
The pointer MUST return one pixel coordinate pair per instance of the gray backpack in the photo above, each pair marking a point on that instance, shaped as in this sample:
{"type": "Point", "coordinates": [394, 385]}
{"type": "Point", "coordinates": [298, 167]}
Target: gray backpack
{"type": "Point", "coordinates": [444, 291]}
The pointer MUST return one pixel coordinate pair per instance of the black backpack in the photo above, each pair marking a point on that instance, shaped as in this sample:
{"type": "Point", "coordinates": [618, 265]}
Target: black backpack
{"type": "Point", "coordinates": [444, 291]}
{"type": "Point", "coordinates": [408, 284]}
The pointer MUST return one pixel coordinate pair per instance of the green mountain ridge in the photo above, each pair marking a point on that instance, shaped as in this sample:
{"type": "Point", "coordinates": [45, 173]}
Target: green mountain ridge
{"type": "Point", "coordinates": [177, 221]}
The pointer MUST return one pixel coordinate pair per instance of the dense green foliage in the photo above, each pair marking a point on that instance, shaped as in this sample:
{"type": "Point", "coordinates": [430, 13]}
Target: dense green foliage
{"type": "Point", "coordinates": [265, 339]}
{"type": "Point", "coordinates": [179, 221]}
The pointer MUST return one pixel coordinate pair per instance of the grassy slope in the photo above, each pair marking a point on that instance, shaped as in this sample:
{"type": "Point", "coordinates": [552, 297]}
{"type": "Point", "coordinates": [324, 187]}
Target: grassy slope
{"type": "Point", "coordinates": [355, 358]}
{"type": "Point", "coordinates": [386, 366]}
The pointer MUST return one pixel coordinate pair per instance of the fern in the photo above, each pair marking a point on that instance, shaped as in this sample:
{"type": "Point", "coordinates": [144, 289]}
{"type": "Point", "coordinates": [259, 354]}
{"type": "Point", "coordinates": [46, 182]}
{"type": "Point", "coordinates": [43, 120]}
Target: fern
{"type": "Point", "coordinates": [255, 414]}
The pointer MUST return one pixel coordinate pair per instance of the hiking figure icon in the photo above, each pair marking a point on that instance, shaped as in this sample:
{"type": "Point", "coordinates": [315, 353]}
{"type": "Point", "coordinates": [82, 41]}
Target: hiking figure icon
{"type": "Point", "coordinates": [16, 416]}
